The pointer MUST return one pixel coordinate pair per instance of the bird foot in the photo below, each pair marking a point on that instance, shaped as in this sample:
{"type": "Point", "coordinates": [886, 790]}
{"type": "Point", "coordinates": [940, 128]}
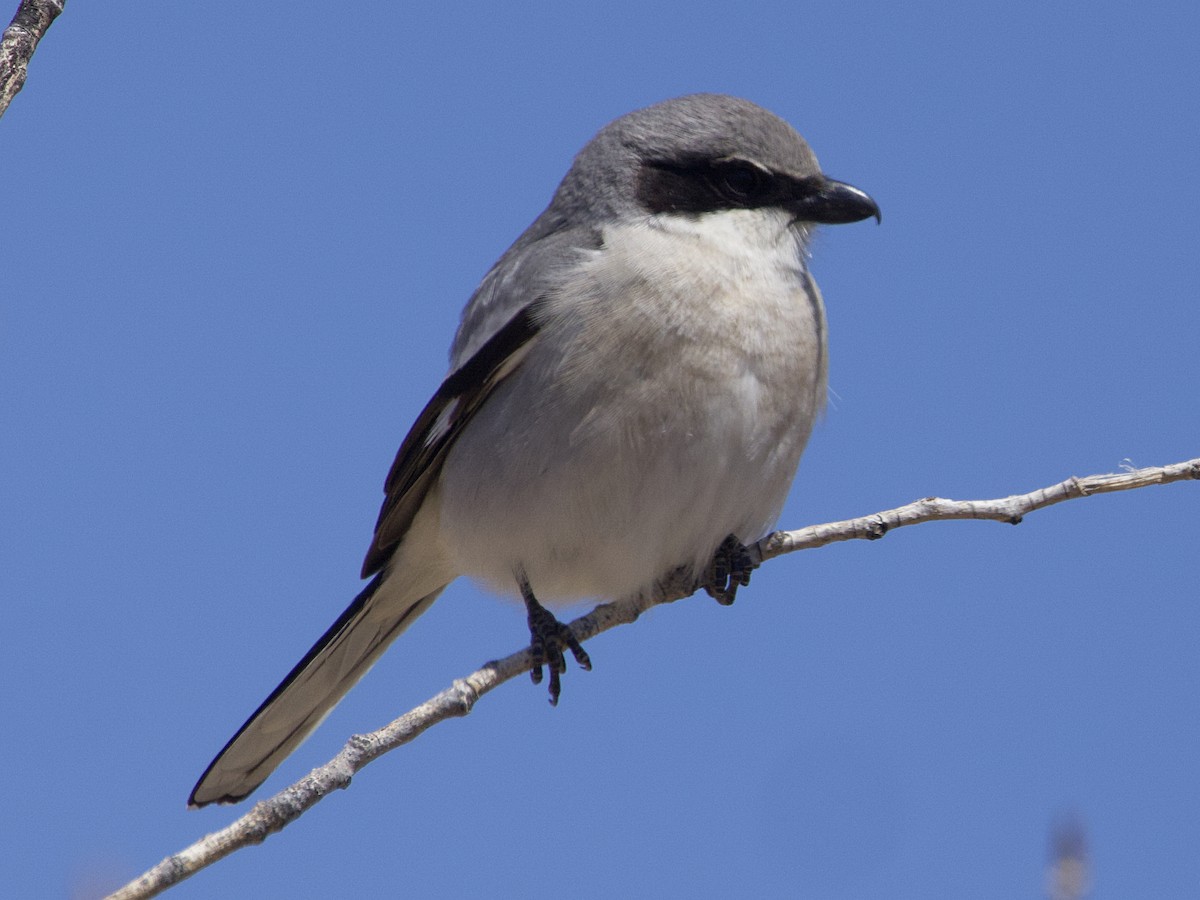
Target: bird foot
{"type": "Point", "coordinates": [730, 569]}
{"type": "Point", "coordinates": [548, 638]}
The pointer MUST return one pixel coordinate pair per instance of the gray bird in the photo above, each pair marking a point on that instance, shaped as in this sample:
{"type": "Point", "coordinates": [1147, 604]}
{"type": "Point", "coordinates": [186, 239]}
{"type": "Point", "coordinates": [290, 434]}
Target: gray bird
{"type": "Point", "coordinates": [630, 390]}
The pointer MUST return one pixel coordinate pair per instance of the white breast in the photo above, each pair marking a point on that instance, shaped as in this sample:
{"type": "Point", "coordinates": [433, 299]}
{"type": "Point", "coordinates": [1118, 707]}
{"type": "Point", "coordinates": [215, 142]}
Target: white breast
{"type": "Point", "coordinates": [663, 406]}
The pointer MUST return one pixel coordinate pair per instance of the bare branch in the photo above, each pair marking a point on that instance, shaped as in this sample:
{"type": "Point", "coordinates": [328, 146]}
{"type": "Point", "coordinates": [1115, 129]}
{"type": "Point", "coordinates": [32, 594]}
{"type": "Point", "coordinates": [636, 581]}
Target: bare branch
{"type": "Point", "coordinates": [18, 42]}
{"type": "Point", "coordinates": [1068, 877]}
{"type": "Point", "coordinates": [273, 814]}
{"type": "Point", "coordinates": [1007, 509]}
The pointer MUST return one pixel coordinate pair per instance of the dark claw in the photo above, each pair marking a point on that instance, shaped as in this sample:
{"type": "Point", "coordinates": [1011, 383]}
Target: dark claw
{"type": "Point", "coordinates": [548, 638]}
{"type": "Point", "coordinates": [730, 569]}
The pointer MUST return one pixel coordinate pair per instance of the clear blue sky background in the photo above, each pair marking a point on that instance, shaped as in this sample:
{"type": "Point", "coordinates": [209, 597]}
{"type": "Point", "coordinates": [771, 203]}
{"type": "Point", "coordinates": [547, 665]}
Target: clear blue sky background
{"type": "Point", "coordinates": [236, 240]}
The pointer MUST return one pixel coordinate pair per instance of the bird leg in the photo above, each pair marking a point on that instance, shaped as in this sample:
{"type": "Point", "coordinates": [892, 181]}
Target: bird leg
{"type": "Point", "coordinates": [547, 639]}
{"type": "Point", "coordinates": [730, 569]}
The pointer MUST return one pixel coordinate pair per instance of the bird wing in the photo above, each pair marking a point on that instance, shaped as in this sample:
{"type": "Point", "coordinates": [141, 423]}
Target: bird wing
{"type": "Point", "coordinates": [420, 457]}
{"type": "Point", "coordinates": [388, 605]}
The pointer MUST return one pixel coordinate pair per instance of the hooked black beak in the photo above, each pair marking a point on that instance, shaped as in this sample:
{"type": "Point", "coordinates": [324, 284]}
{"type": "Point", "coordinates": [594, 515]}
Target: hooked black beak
{"type": "Point", "coordinates": [830, 202]}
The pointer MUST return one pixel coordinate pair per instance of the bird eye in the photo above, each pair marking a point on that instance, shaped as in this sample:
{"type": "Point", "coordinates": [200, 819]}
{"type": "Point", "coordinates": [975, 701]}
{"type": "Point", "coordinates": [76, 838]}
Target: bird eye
{"type": "Point", "coordinates": [740, 182]}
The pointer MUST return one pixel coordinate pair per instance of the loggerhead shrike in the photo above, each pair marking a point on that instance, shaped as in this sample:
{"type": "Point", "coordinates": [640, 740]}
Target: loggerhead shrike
{"type": "Point", "coordinates": [630, 390]}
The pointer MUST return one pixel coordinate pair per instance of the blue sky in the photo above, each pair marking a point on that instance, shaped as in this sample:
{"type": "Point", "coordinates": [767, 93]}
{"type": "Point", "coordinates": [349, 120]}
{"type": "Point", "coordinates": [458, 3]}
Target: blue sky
{"type": "Point", "coordinates": [237, 239]}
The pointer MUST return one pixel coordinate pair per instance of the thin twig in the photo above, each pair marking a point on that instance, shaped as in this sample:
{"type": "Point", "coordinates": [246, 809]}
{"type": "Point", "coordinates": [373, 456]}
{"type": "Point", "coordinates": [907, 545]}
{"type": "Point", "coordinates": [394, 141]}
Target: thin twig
{"type": "Point", "coordinates": [19, 41]}
{"type": "Point", "coordinates": [273, 814]}
{"type": "Point", "coordinates": [1007, 509]}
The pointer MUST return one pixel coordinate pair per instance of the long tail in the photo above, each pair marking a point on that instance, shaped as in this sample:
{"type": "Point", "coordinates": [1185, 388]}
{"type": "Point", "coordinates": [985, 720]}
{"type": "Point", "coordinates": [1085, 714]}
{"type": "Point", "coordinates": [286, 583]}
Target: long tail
{"type": "Point", "coordinates": [311, 690]}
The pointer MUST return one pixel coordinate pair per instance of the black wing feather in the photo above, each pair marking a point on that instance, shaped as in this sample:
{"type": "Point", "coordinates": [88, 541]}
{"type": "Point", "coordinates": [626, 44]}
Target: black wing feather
{"type": "Point", "coordinates": [420, 457]}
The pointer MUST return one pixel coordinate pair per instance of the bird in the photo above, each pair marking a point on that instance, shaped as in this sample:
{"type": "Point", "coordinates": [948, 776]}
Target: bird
{"type": "Point", "coordinates": [630, 390]}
